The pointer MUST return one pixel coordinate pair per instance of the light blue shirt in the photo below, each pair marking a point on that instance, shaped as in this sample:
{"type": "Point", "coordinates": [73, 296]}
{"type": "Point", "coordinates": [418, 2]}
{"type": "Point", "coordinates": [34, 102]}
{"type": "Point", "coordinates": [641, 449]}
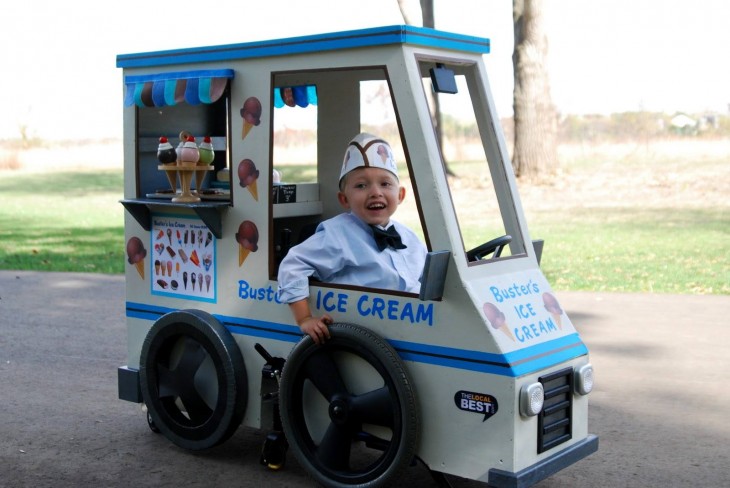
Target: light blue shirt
{"type": "Point", "coordinates": [343, 250]}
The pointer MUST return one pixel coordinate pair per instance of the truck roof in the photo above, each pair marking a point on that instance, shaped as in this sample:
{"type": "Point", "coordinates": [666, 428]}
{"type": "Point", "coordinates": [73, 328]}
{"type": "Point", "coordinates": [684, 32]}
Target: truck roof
{"type": "Point", "coordinates": [376, 36]}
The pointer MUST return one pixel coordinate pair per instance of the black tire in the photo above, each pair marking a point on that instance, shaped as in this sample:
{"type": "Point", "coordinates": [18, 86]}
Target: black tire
{"type": "Point", "coordinates": [193, 379]}
{"type": "Point", "coordinates": [368, 430]}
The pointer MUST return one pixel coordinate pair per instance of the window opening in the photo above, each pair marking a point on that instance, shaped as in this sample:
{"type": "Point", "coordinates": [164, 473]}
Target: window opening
{"type": "Point", "coordinates": [478, 186]}
{"type": "Point", "coordinates": [309, 143]}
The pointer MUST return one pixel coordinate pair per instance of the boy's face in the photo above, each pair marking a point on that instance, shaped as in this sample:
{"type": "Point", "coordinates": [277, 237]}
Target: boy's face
{"type": "Point", "coordinates": [372, 194]}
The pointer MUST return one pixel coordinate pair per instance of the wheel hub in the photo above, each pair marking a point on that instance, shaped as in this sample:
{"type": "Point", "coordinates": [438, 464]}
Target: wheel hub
{"type": "Point", "coordinates": [339, 411]}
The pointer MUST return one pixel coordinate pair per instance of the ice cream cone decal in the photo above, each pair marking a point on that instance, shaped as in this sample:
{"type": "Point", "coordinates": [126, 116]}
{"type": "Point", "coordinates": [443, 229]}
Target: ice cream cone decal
{"type": "Point", "coordinates": [247, 238]}
{"type": "Point", "coordinates": [136, 254]}
{"type": "Point", "coordinates": [553, 307]}
{"type": "Point", "coordinates": [505, 328]}
{"type": "Point", "coordinates": [497, 320]}
{"type": "Point", "coordinates": [251, 114]}
{"type": "Point", "coordinates": [246, 129]}
{"type": "Point", "coordinates": [242, 254]}
{"type": "Point", "coordinates": [140, 268]}
{"type": "Point", "coordinates": [253, 189]}
{"type": "Point", "coordinates": [247, 177]}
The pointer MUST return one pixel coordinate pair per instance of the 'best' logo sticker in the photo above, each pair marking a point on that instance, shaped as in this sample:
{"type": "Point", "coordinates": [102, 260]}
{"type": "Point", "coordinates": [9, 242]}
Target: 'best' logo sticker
{"type": "Point", "coordinates": [480, 403]}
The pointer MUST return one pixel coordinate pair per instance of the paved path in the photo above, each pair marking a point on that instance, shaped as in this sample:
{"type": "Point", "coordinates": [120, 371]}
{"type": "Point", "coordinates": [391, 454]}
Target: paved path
{"type": "Point", "coordinates": [660, 406]}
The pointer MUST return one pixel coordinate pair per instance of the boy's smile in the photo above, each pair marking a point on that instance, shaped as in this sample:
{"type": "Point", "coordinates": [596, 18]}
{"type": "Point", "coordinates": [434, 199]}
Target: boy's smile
{"type": "Point", "coordinates": [372, 194]}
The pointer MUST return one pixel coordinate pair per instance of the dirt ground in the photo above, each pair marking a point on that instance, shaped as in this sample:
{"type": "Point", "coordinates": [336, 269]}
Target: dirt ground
{"type": "Point", "coordinates": [658, 174]}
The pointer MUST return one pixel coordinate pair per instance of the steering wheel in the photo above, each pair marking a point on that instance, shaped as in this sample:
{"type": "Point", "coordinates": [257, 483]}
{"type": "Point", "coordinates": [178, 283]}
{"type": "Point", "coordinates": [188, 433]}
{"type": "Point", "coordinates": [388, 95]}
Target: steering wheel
{"type": "Point", "coordinates": [495, 246]}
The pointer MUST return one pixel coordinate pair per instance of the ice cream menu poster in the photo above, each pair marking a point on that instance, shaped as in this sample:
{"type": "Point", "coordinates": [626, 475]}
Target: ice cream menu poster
{"type": "Point", "coordinates": [184, 258]}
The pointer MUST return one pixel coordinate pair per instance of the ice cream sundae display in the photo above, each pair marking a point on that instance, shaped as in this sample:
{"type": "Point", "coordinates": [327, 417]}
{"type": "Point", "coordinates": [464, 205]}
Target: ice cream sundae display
{"type": "Point", "coordinates": [497, 320]}
{"type": "Point", "coordinates": [553, 307]}
{"type": "Point", "coordinates": [185, 166]}
{"type": "Point", "coordinates": [248, 240]}
{"type": "Point", "coordinates": [183, 251]}
{"type": "Point", "coordinates": [188, 161]}
{"type": "Point", "coordinates": [136, 254]}
{"type": "Point", "coordinates": [247, 176]}
{"type": "Point", "coordinates": [251, 114]}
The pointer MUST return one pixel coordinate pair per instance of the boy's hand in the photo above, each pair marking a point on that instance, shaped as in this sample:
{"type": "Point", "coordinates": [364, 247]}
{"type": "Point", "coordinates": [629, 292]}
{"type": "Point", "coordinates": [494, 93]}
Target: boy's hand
{"type": "Point", "coordinates": [316, 327]}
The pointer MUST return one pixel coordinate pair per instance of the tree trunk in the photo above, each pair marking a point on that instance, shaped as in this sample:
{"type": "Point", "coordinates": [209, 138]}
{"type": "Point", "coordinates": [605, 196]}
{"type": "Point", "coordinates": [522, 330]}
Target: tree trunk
{"type": "Point", "coordinates": [535, 118]}
{"type": "Point", "coordinates": [411, 10]}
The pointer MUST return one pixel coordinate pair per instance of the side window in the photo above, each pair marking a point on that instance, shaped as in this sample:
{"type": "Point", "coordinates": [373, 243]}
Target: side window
{"type": "Point", "coordinates": [309, 143]}
{"type": "Point", "coordinates": [295, 134]}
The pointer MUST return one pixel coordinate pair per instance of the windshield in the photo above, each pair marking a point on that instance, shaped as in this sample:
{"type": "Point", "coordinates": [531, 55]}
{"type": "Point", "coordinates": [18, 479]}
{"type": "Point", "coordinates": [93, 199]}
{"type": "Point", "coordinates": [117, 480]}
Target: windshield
{"type": "Point", "coordinates": [472, 160]}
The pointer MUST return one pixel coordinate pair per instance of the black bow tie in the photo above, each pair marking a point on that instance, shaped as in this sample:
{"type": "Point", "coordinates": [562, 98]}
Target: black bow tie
{"type": "Point", "coordinates": [389, 237]}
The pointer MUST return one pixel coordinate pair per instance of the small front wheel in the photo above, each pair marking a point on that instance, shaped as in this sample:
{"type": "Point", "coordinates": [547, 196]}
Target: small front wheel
{"type": "Point", "coordinates": [348, 409]}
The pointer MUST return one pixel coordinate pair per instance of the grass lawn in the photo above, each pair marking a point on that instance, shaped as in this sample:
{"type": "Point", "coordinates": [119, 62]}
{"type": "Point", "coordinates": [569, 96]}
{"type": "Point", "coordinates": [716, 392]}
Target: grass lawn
{"type": "Point", "coordinates": [62, 221]}
{"type": "Point", "coordinates": [652, 250]}
{"type": "Point", "coordinates": [600, 240]}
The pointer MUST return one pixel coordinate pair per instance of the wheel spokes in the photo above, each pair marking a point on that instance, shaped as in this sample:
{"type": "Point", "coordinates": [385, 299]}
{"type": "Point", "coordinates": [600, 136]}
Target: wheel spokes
{"type": "Point", "coordinates": [324, 373]}
{"type": "Point", "coordinates": [334, 450]}
{"type": "Point", "coordinates": [374, 407]}
{"type": "Point", "coordinates": [180, 381]}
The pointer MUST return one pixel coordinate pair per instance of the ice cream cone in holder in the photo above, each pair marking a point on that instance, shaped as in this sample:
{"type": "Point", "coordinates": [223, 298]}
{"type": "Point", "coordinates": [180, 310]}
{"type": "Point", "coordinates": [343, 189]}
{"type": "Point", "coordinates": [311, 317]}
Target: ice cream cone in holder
{"type": "Point", "coordinates": [206, 158]}
{"type": "Point", "coordinates": [172, 176]}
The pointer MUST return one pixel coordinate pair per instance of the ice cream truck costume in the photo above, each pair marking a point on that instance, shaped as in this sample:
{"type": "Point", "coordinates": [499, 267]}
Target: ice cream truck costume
{"type": "Point", "coordinates": [481, 374]}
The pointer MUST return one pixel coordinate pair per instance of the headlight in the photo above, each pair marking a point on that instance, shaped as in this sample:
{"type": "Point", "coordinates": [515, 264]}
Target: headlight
{"type": "Point", "coordinates": [532, 397]}
{"type": "Point", "coordinates": [584, 379]}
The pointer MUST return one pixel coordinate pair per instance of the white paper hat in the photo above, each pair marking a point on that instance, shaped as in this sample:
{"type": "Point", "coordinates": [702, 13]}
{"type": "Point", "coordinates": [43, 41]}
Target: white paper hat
{"type": "Point", "coordinates": [367, 150]}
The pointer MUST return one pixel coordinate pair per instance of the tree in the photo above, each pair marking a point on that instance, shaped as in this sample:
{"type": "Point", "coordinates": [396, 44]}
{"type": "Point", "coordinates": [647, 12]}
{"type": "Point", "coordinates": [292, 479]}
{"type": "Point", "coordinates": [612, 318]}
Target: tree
{"type": "Point", "coordinates": [535, 117]}
{"type": "Point", "coordinates": [421, 13]}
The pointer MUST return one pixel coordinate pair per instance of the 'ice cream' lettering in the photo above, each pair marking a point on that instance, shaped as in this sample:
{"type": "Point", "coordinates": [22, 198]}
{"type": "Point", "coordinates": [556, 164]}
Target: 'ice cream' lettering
{"type": "Point", "coordinates": [533, 331]}
{"type": "Point", "coordinates": [328, 302]}
{"type": "Point", "coordinates": [392, 310]}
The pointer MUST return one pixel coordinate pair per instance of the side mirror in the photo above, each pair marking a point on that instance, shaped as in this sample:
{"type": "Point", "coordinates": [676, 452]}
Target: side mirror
{"type": "Point", "coordinates": [443, 79]}
{"type": "Point", "coordinates": [434, 275]}
{"type": "Point", "coordinates": [537, 244]}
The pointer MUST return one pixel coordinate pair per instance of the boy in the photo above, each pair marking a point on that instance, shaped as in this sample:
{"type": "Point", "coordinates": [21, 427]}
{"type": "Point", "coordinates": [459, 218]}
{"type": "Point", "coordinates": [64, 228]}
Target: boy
{"type": "Point", "coordinates": [355, 248]}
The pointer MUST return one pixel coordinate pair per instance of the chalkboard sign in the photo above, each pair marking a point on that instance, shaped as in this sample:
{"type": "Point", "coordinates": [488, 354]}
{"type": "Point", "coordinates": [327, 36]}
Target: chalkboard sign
{"type": "Point", "coordinates": [284, 193]}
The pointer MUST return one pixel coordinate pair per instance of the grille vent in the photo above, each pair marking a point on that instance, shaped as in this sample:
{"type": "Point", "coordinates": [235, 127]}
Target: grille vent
{"type": "Point", "coordinates": [554, 423]}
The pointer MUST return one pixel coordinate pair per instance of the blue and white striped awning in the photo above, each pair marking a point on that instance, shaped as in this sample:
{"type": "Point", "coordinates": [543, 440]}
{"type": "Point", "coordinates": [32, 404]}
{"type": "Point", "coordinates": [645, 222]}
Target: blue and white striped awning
{"type": "Point", "coordinates": [161, 89]}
